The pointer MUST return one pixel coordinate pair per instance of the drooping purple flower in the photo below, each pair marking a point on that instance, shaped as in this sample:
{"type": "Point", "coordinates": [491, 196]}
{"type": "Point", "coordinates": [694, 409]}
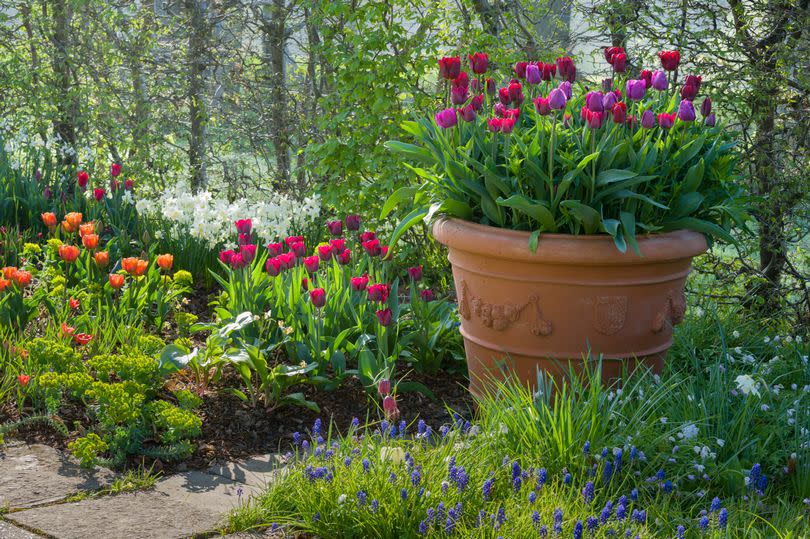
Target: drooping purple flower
{"type": "Point", "coordinates": [686, 111]}
{"type": "Point", "coordinates": [446, 118]}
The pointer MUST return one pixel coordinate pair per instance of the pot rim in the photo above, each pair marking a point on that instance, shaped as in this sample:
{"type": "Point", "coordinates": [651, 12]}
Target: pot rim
{"type": "Point", "coordinates": [556, 248]}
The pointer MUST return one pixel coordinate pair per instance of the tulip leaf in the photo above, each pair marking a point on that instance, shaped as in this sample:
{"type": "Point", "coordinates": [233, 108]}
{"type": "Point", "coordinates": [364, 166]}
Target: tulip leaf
{"type": "Point", "coordinates": [629, 225]}
{"type": "Point", "coordinates": [416, 216]}
{"type": "Point", "coordinates": [411, 151]}
{"type": "Point", "coordinates": [589, 217]}
{"type": "Point", "coordinates": [534, 209]}
{"type": "Point", "coordinates": [686, 204]}
{"type": "Point", "coordinates": [534, 241]}
{"type": "Point", "coordinates": [698, 225]}
{"type": "Point", "coordinates": [614, 175]}
{"type": "Point", "coordinates": [401, 194]}
{"type": "Point", "coordinates": [693, 177]}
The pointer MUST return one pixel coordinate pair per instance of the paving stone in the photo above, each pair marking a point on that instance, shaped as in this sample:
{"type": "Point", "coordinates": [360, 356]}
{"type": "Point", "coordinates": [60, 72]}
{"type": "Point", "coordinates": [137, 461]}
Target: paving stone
{"type": "Point", "coordinates": [256, 471]}
{"type": "Point", "coordinates": [143, 515]}
{"type": "Point", "coordinates": [36, 474]}
{"type": "Point", "coordinates": [8, 531]}
{"type": "Point", "coordinates": [204, 491]}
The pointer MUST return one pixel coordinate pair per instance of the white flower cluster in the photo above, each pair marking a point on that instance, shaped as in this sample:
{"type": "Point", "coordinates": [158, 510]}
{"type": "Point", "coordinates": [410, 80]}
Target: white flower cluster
{"type": "Point", "coordinates": [212, 219]}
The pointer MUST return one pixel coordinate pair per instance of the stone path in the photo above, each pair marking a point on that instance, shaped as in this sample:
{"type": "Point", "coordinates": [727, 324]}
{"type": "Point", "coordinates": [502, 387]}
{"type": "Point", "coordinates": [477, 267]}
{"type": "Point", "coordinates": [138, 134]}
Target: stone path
{"type": "Point", "coordinates": [36, 479]}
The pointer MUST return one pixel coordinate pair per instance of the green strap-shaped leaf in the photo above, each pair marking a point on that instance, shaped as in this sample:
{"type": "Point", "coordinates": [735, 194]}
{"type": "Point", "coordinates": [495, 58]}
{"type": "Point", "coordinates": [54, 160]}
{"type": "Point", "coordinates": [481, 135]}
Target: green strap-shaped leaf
{"type": "Point", "coordinates": [401, 194]}
{"type": "Point", "coordinates": [614, 175]}
{"type": "Point", "coordinates": [536, 210]}
{"type": "Point", "coordinates": [629, 225]}
{"type": "Point", "coordinates": [699, 225]}
{"type": "Point", "coordinates": [590, 218]}
{"type": "Point", "coordinates": [411, 151]}
{"type": "Point", "coordinates": [686, 204]}
{"type": "Point", "coordinates": [416, 216]}
{"type": "Point", "coordinates": [693, 177]}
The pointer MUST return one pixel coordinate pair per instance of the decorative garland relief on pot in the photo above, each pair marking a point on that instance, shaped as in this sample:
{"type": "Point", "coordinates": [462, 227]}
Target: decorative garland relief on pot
{"type": "Point", "coordinates": [500, 316]}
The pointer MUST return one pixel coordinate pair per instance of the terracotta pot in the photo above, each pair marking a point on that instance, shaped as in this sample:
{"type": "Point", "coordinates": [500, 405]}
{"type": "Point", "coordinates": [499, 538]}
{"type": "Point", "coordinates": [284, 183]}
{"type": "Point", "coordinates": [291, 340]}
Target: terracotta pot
{"type": "Point", "coordinates": [526, 311]}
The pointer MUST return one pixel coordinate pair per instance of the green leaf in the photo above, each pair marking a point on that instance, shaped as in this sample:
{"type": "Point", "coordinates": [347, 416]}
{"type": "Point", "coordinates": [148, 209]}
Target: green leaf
{"type": "Point", "coordinates": [614, 175]}
{"type": "Point", "coordinates": [589, 217]}
{"type": "Point", "coordinates": [534, 241]}
{"type": "Point", "coordinates": [418, 387]}
{"type": "Point", "coordinates": [416, 216]}
{"type": "Point", "coordinates": [403, 193]}
{"type": "Point", "coordinates": [411, 151]}
{"type": "Point", "coordinates": [629, 224]}
{"type": "Point", "coordinates": [693, 177]}
{"type": "Point", "coordinates": [537, 210]}
{"type": "Point", "coordinates": [298, 399]}
{"type": "Point", "coordinates": [699, 225]}
{"type": "Point", "coordinates": [175, 358]}
{"type": "Point", "coordinates": [686, 204]}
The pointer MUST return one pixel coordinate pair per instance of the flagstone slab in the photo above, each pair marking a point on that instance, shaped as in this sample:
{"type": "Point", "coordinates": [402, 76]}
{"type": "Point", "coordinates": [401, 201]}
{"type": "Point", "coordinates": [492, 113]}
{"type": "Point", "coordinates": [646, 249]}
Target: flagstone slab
{"type": "Point", "coordinates": [203, 491]}
{"type": "Point", "coordinates": [8, 531]}
{"type": "Point", "coordinates": [257, 471]}
{"type": "Point", "coordinates": [37, 474]}
{"type": "Point", "coordinates": [142, 515]}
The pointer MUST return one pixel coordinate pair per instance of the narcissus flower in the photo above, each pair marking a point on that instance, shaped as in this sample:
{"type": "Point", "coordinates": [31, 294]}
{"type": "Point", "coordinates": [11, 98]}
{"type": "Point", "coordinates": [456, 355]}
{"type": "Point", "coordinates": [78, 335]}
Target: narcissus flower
{"type": "Point", "coordinates": [82, 177]}
{"type": "Point", "coordinates": [446, 118]}
{"type": "Point", "coordinates": [384, 317]}
{"type": "Point", "coordinates": [312, 263]}
{"type": "Point", "coordinates": [90, 241]}
{"type": "Point", "coordinates": [318, 297]}
{"type": "Point", "coordinates": [165, 262]}
{"type": "Point", "coordinates": [449, 67]}
{"type": "Point", "coordinates": [68, 253]}
{"type": "Point", "coordinates": [243, 226]}
{"type": "Point", "coordinates": [98, 194]}
{"type": "Point", "coordinates": [415, 273]}
{"type": "Point", "coordinates": [479, 62]}
{"type": "Point", "coordinates": [116, 281]}
{"type": "Point", "coordinates": [49, 220]}
{"type": "Point", "coordinates": [359, 283]}
{"type": "Point", "coordinates": [335, 227]}
{"type": "Point", "coordinates": [115, 169]}
{"type": "Point", "coordinates": [670, 59]}
{"type": "Point", "coordinates": [23, 379]}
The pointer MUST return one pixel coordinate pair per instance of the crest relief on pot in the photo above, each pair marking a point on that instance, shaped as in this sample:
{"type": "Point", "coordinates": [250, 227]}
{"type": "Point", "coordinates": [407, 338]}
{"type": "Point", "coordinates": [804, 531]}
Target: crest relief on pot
{"type": "Point", "coordinates": [609, 313]}
{"type": "Point", "coordinates": [500, 316]}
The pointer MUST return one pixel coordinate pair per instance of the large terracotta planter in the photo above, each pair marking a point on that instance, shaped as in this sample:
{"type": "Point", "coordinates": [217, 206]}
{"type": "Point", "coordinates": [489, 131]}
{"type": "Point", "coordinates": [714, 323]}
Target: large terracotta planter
{"type": "Point", "coordinates": [526, 311]}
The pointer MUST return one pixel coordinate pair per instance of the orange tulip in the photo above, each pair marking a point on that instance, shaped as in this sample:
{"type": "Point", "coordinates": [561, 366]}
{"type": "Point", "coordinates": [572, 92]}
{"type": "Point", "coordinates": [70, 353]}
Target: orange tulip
{"type": "Point", "coordinates": [102, 258]}
{"type": "Point", "coordinates": [87, 228]}
{"type": "Point", "coordinates": [129, 264]}
{"type": "Point", "coordinates": [74, 218]}
{"type": "Point", "coordinates": [82, 338]}
{"type": "Point", "coordinates": [165, 262]}
{"type": "Point", "coordinates": [4, 284]}
{"type": "Point", "coordinates": [24, 379]}
{"type": "Point", "coordinates": [116, 280]}
{"type": "Point", "coordinates": [69, 253]}
{"type": "Point", "coordinates": [90, 241]}
{"type": "Point", "coordinates": [67, 330]}
{"type": "Point", "coordinates": [140, 268]}
{"type": "Point", "coordinates": [9, 271]}
{"type": "Point", "coordinates": [49, 219]}
{"type": "Point", "coordinates": [22, 278]}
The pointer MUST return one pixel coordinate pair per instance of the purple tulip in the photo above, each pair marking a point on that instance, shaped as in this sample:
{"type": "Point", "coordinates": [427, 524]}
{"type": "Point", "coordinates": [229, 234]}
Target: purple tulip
{"type": "Point", "coordinates": [446, 118]}
{"type": "Point", "coordinates": [533, 74]}
{"type": "Point", "coordinates": [711, 120]}
{"type": "Point", "coordinates": [659, 81]}
{"type": "Point", "coordinates": [459, 94]}
{"type": "Point", "coordinates": [557, 99]}
{"type": "Point", "coordinates": [593, 100]}
{"type": "Point", "coordinates": [686, 111]}
{"type": "Point", "coordinates": [609, 100]}
{"type": "Point", "coordinates": [706, 107]}
{"type": "Point", "coordinates": [47, 193]}
{"type": "Point", "coordinates": [648, 119]}
{"type": "Point", "coordinates": [565, 86]}
{"type": "Point", "coordinates": [467, 113]}
{"type": "Point", "coordinates": [635, 89]}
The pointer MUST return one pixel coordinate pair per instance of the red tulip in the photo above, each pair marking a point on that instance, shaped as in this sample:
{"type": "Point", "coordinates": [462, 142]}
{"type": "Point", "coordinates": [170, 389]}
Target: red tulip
{"type": "Point", "coordinates": [646, 76]}
{"type": "Point", "coordinates": [304, 284]}
{"type": "Point", "coordinates": [98, 194]}
{"type": "Point", "coordinates": [337, 244]}
{"type": "Point", "coordinates": [384, 317]}
{"type": "Point", "coordinates": [345, 257]}
{"type": "Point", "coordinates": [275, 249]}
{"type": "Point", "coordinates": [666, 121]}
{"type": "Point", "coordinates": [128, 185]}
{"type": "Point", "coordinates": [82, 177]}
{"type": "Point", "coordinates": [689, 92]}
{"type": "Point", "coordinates": [507, 125]}
{"type": "Point", "coordinates": [372, 247]}
{"type": "Point", "coordinates": [427, 295]}
{"type": "Point", "coordinates": [82, 338]}
{"type": "Point", "coordinates": [462, 81]}
{"type": "Point", "coordinates": [353, 222]}
{"type": "Point", "coordinates": [115, 169]}
{"type": "Point", "coordinates": [299, 248]}
{"type": "Point", "coordinates": [367, 236]}
{"type": "Point", "coordinates": [467, 113]}
{"type": "Point", "coordinates": [335, 227]}
{"type": "Point", "coordinates": [359, 283]}
{"type": "Point", "coordinates": [515, 91]}
{"type": "Point", "coordinates": [415, 273]}
{"type": "Point", "coordinates": [566, 69]}
{"type": "Point", "coordinates": [248, 252]}
{"type": "Point", "coordinates": [226, 255]}
{"type": "Point", "coordinates": [287, 260]}
{"type": "Point", "coordinates": [548, 71]}
{"type": "Point", "coordinates": [312, 263]}
{"type": "Point", "coordinates": [520, 69]}
{"type": "Point", "coordinates": [541, 106]}
{"type": "Point", "coordinates": [477, 103]}
{"type": "Point", "coordinates": [114, 185]}
{"type": "Point", "coordinates": [318, 297]}
{"type": "Point", "coordinates": [449, 67]}
{"type": "Point", "coordinates": [244, 226]}
{"type": "Point", "coordinates": [670, 59]}
{"type": "Point", "coordinates": [289, 240]}
{"type": "Point", "coordinates": [325, 252]}
{"type": "Point", "coordinates": [479, 62]}
{"type": "Point", "coordinates": [379, 292]}
{"type": "Point", "coordinates": [611, 52]}
{"type": "Point", "coordinates": [67, 331]}
{"type": "Point", "coordinates": [619, 113]}
{"type": "Point", "coordinates": [237, 261]}
{"type": "Point", "coordinates": [273, 266]}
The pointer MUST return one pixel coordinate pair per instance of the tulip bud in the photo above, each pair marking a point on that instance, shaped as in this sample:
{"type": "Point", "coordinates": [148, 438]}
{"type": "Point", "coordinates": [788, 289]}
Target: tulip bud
{"type": "Point", "coordinates": [491, 86]}
{"type": "Point", "coordinates": [384, 387]}
{"type": "Point", "coordinates": [533, 74]}
{"type": "Point", "coordinates": [648, 119]}
{"type": "Point", "coordinates": [273, 266]}
{"type": "Point", "coordinates": [82, 177]}
{"type": "Point", "coordinates": [607, 85]}
{"type": "Point", "coordinates": [520, 69]}
{"type": "Point", "coordinates": [335, 227]}
{"type": "Point", "coordinates": [557, 99]}
{"type": "Point", "coordinates": [467, 113]}
{"type": "Point", "coordinates": [415, 273]}
{"type": "Point", "coordinates": [46, 193]}
{"type": "Point", "coordinates": [711, 120]}
{"type": "Point", "coordinates": [479, 62]}
{"type": "Point", "coordinates": [706, 107]}
{"type": "Point", "coordinates": [686, 111]}
{"type": "Point", "coordinates": [646, 76]}
{"type": "Point", "coordinates": [385, 317]}
{"type": "Point", "coordinates": [659, 81]}
{"type": "Point", "coordinates": [427, 295]}
{"type": "Point", "coordinates": [244, 239]}
{"type": "Point", "coordinates": [318, 297]}
{"type": "Point", "coordinates": [688, 92]}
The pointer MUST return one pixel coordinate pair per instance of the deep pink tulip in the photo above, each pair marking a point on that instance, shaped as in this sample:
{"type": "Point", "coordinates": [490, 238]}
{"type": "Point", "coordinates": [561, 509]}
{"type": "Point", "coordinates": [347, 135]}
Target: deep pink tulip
{"type": "Point", "coordinates": [359, 283]}
{"type": "Point", "coordinates": [344, 257]}
{"type": "Point", "coordinates": [312, 263]}
{"type": "Point", "coordinates": [372, 247]}
{"type": "Point", "coordinates": [385, 317]}
{"type": "Point", "coordinates": [244, 226]}
{"type": "Point", "coordinates": [335, 227]}
{"type": "Point", "coordinates": [318, 297]}
{"type": "Point", "coordinates": [353, 222]}
{"type": "Point", "coordinates": [415, 273]}
{"type": "Point", "coordinates": [427, 295]}
{"type": "Point", "coordinates": [379, 292]}
{"type": "Point", "coordinates": [248, 252]}
{"type": "Point", "coordinates": [325, 252]}
{"type": "Point", "coordinates": [479, 62]}
{"type": "Point", "coordinates": [449, 67]}
{"type": "Point", "coordinates": [98, 194]}
{"type": "Point", "coordinates": [273, 266]}
{"type": "Point", "coordinates": [299, 248]}
{"type": "Point", "coordinates": [275, 249]}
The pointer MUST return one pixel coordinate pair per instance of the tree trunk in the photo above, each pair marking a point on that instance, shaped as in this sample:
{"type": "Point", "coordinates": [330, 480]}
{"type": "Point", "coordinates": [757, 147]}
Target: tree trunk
{"type": "Point", "coordinates": [275, 39]}
{"type": "Point", "coordinates": [66, 107]}
{"type": "Point", "coordinates": [198, 39]}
